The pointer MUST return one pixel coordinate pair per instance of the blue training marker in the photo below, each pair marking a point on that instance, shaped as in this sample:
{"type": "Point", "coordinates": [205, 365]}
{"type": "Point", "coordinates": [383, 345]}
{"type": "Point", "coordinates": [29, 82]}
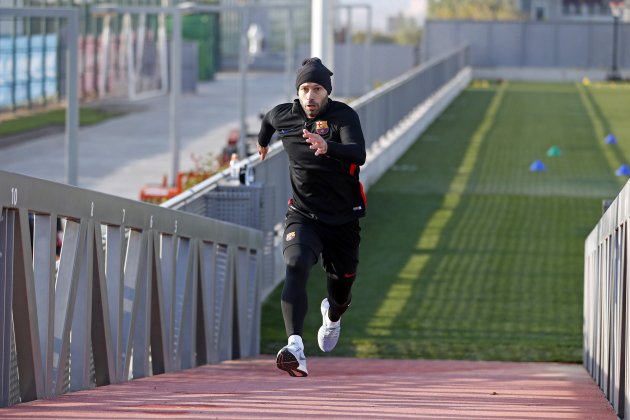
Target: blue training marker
{"type": "Point", "coordinates": [537, 166]}
{"type": "Point", "coordinates": [611, 139]}
{"type": "Point", "coordinates": [623, 170]}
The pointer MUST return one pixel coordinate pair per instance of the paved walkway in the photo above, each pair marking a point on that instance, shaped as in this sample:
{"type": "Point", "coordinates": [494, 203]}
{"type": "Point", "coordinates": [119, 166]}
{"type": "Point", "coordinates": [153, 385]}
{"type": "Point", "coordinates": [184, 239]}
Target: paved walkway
{"type": "Point", "coordinates": [341, 388]}
{"type": "Point", "coordinates": [121, 155]}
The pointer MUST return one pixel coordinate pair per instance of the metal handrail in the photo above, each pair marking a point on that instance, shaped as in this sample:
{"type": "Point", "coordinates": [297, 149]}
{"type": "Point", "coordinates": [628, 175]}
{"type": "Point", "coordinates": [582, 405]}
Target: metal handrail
{"type": "Point", "coordinates": [141, 289]}
{"type": "Point", "coordinates": [128, 286]}
{"type": "Point", "coordinates": [380, 111]}
{"type": "Point", "coordinates": [605, 337]}
{"type": "Point", "coordinates": [361, 104]}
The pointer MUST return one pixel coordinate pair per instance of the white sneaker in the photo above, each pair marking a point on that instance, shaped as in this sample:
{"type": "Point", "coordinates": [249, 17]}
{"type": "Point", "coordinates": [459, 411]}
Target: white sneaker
{"type": "Point", "coordinates": [328, 333]}
{"type": "Point", "coordinates": [291, 359]}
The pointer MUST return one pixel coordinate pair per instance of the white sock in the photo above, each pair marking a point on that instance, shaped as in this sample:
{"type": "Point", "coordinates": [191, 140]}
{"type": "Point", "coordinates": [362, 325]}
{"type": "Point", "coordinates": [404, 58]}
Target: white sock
{"type": "Point", "coordinates": [296, 339]}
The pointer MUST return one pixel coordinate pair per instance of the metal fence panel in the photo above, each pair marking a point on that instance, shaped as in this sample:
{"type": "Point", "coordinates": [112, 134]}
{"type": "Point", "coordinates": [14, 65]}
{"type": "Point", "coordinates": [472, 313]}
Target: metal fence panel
{"type": "Point", "coordinates": [540, 50]}
{"type": "Point", "coordinates": [506, 43]}
{"type": "Point", "coordinates": [479, 38]}
{"type": "Point", "coordinates": [65, 297]}
{"type": "Point", "coordinates": [114, 261]}
{"type": "Point", "coordinates": [101, 331]}
{"type": "Point", "coordinates": [572, 38]}
{"type": "Point", "coordinates": [183, 290]}
{"type": "Point", "coordinates": [624, 46]}
{"type": "Point", "coordinates": [82, 314]}
{"type": "Point", "coordinates": [606, 273]}
{"type": "Point", "coordinates": [98, 315]}
{"type": "Point", "coordinates": [599, 46]}
{"type": "Point", "coordinates": [141, 336]}
{"type": "Point", "coordinates": [44, 230]}
{"type": "Point", "coordinates": [7, 221]}
{"type": "Point", "coordinates": [530, 44]}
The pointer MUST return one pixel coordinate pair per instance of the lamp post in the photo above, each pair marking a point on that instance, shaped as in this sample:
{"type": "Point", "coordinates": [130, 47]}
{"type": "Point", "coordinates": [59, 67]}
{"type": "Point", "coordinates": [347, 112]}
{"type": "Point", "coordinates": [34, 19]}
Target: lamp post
{"type": "Point", "coordinates": [243, 66]}
{"type": "Point", "coordinates": [616, 8]}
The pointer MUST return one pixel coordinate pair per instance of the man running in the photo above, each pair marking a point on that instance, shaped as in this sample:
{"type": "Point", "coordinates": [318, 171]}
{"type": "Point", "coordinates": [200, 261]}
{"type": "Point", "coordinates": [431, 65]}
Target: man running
{"type": "Point", "coordinates": [325, 145]}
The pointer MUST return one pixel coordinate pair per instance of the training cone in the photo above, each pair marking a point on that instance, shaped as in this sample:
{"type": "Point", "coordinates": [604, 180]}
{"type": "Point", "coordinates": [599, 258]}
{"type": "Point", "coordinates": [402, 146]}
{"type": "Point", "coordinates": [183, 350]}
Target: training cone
{"type": "Point", "coordinates": [623, 170]}
{"type": "Point", "coordinates": [611, 139]}
{"type": "Point", "coordinates": [554, 151]}
{"type": "Point", "coordinates": [537, 166]}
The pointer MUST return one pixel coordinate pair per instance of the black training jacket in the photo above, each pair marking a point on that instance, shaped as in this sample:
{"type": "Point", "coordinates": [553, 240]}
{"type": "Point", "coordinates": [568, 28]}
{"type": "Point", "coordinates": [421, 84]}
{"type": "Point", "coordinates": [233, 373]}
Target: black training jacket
{"type": "Point", "coordinates": [326, 187]}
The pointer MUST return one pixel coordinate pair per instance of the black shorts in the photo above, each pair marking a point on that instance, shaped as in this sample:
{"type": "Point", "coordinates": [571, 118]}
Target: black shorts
{"type": "Point", "coordinates": [337, 245]}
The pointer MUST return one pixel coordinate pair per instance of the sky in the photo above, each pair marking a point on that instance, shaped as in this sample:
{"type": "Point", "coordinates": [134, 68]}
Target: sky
{"type": "Point", "coordinates": [382, 9]}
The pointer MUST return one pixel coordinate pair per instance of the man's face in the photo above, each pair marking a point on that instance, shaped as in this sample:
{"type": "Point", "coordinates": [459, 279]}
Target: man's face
{"type": "Point", "coordinates": [312, 97]}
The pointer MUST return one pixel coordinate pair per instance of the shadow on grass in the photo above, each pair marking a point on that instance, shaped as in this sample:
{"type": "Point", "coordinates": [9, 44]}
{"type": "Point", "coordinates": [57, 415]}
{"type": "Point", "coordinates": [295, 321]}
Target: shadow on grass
{"type": "Point", "coordinates": [493, 289]}
{"type": "Point", "coordinates": [606, 126]}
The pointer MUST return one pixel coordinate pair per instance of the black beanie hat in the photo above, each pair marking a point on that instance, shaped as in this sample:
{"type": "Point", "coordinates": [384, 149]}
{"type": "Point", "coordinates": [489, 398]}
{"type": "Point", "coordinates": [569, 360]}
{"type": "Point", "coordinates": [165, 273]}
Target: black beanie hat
{"type": "Point", "coordinates": [314, 71]}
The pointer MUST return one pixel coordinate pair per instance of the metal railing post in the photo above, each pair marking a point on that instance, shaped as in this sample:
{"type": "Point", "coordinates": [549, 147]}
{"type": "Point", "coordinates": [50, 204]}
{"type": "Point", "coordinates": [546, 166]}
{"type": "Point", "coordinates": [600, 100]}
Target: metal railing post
{"type": "Point", "coordinates": [72, 110]}
{"type": "Point", "coordinates": [176, 87]}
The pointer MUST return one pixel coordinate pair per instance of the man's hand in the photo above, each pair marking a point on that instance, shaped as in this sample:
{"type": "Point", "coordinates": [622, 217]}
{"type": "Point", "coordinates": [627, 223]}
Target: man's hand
{"type": "Point", "coordinates": [262, 151]}
{"type": "Point", "coordinates": [316, 141]}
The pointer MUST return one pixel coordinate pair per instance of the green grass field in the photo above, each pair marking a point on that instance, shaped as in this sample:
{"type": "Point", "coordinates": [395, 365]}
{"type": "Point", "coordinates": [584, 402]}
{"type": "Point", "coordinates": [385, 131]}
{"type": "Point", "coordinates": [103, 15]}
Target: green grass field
{"type": "Point", "coordinates": [466, 254]}
{"type": "Point", "coordinates": [87, 116]}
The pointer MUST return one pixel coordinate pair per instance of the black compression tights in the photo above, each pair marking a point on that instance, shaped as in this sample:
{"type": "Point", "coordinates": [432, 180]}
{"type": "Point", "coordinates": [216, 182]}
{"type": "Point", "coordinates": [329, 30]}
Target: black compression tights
{"type": "Point", "coordinates": [299, 260]}
{"type": "Point", "coordinates": [338, 295]}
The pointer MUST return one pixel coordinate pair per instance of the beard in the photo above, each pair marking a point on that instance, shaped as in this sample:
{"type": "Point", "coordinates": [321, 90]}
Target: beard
{"type": "Point", "coordinates": [312, 108]}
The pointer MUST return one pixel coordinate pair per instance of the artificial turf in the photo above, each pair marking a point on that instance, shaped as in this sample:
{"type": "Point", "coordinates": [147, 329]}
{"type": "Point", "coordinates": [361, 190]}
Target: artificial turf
{"type": "Point", "coordinates": [466, 253]}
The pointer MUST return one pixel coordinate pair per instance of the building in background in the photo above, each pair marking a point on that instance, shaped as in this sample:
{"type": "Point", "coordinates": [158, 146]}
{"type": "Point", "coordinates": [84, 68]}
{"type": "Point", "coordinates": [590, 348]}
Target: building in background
{"type": "Point", "coordinates": [569, 9]}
